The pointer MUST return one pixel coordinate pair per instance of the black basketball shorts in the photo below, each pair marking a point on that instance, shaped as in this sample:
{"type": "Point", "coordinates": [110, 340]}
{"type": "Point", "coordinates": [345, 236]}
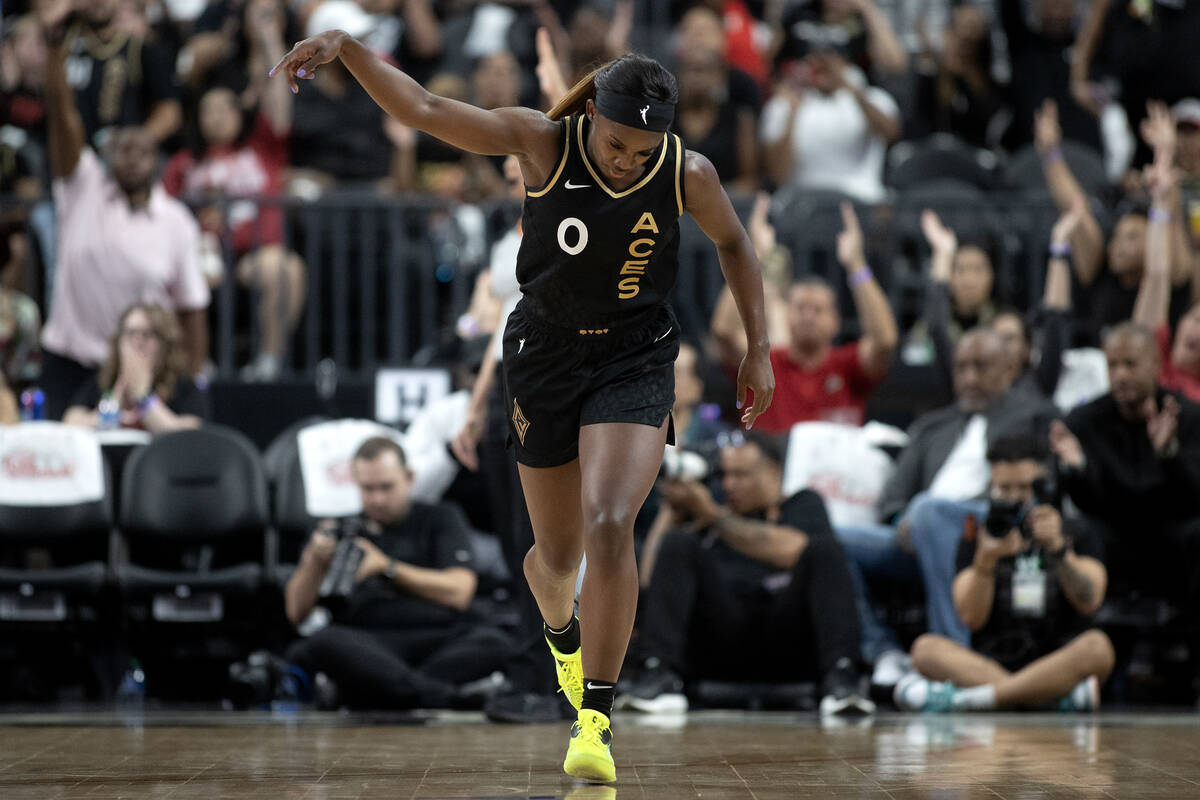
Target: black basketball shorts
{"type": "Point", "coordinates": [556, 381]}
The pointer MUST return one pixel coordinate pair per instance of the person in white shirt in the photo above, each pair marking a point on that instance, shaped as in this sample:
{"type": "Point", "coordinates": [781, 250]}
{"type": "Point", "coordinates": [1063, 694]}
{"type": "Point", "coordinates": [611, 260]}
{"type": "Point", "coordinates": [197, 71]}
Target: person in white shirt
{"type": "Point", "coordinates": [826, 128]}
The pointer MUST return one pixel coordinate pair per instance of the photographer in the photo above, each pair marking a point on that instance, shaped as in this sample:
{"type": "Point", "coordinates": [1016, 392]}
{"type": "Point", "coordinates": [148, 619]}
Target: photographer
{"type": "Point", "coordinates": [762, 575]}
{"type": "Point", "coordinates": [1028, 582]}
{"type": "Point", "coordinates": [401, 636]}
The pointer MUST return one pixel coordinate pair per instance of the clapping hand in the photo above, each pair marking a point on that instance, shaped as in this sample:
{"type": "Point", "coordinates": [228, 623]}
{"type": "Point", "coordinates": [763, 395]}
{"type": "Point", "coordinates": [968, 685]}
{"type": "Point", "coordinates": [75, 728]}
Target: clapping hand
{"type": "Point", "coordinates": [1162, 425]}
{"type": "Point", "coordinates": [1066, 445]}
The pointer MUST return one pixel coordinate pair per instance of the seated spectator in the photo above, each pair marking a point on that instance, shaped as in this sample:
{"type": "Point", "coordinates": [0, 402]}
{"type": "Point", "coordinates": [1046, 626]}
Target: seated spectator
{"type": "Point", "coordinates": [701, 28]}
{"type": "Point", "coordinates": [814, 379]}
{"type": "Point", "coordinates": [958, 296]}
{"type": "Point", "coordinates": [20, 320]}
{"type": "Point", "coordinates": [1186, 114]}
{"type": "Point", "coordinates": [221, 50]}
{"type": "Point", "coordinates": [121, 240]}
{"type": "Point", "coordinates": [955, 90]}
{"type": "Point", "coordinates": [1180, 358]}
{"type": "Point", "coordinates": [1106, 279]}
{"type": "Point", "coordinates": [337, 108]}
{"type": "Point", "coordinates": [144, 381]}
{"type": "Point", "coordinates": [1040, 51]}
{"type": "Point", "coordinates": [714, 123]}
{"type": "Point", "coordinates": [1028, 583]}
{"type": "Point", "coordinates": [967, 278]}
{"type": "Point", "coordinates": [22, 67]}
{"type": "Point", "coordinates": [763, 574]}
{"type": "Point", "coordinates": [241, 163]}
{"type": "Point", "coordinates": [861, 30]}
{"type": "Point", "coordinates": [404, 638]}
{"type": "Point", "coordinates": [826, 128]}
{"type": "Point", "coordinates": [1130, 460]}
{"type": "Point", "coordinates": [119, 79]}
{"type": "Point", "coordinates": [1147, 49]}
{"type": "Point", "coordinates": [941, 477]}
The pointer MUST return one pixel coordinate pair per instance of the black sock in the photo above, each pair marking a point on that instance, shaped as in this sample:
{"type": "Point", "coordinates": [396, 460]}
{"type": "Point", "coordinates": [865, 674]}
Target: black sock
{"type": "Point", "coordinates": [565, 641]}
{"type": "Point", "coordinates": [598, 696]}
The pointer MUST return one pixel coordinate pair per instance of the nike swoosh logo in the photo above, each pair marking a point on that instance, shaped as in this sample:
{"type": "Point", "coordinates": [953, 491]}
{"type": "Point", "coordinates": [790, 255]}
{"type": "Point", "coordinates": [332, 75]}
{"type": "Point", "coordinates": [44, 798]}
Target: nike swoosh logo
{"type": "Point", "coordinates": [598, 685]}
{"type": "Point", "coordinates": [570, 185]}
{"type": "Point", "coordinates": [659, 339]}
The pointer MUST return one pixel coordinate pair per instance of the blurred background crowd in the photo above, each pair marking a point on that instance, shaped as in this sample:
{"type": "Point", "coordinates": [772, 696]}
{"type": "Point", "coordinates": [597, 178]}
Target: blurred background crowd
{"type": "Point", "coordinates": [978, 222]}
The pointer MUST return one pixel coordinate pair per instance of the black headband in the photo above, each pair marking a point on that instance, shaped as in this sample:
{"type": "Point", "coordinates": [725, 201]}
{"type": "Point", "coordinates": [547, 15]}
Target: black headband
{"type": "Point", "coordinates": [636, 112]}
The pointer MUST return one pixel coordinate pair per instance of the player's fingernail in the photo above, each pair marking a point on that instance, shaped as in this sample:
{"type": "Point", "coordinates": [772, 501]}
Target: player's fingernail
{"type": "Point", "coordinates": [301, 73]}
{"type": "Point", "coordinates": [294, 90]}
{"type": "Point", "coordinates": [739, 403]}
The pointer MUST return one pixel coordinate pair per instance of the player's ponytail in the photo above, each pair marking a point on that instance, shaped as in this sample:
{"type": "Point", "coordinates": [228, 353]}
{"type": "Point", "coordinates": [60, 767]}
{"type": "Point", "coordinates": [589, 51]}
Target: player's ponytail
{"type": "Point", "coordinates": [632, 75]}
{"type": "Point", "coordinates": [575, 100]}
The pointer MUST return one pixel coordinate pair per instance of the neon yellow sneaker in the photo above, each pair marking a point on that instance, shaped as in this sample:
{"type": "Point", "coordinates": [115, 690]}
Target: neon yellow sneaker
{"type": "Point", "coordinates": [589, 753]}
{"type": "Point", "coordinates": [570, 674]}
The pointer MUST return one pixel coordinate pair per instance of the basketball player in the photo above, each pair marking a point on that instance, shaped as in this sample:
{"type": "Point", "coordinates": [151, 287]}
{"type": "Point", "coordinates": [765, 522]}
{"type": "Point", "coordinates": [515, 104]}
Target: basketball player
{"type": "Point", "coordinates": [588, 353]}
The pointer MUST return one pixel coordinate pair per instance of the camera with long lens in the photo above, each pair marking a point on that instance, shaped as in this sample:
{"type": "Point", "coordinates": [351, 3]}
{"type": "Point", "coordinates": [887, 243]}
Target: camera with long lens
{"type": "Point", "coordinates": [338, 582]}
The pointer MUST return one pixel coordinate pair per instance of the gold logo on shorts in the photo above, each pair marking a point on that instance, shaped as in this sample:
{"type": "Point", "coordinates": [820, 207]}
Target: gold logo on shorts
{"type": "Point", "coordinates": [519, 422]}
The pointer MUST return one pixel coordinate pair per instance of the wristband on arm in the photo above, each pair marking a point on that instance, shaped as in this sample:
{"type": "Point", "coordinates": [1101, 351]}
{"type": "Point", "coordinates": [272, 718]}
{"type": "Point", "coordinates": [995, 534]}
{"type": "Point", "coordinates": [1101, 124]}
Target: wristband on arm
{"type": "Point", "coordinates": [861, 276]}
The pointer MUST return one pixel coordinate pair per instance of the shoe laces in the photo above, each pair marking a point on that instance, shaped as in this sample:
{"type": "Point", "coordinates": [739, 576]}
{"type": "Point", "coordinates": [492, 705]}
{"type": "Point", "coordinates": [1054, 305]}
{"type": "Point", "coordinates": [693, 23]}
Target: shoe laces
{"type": "Point", "coordinates": [592, 727]}
{"type": "Point", "coordinates": [571, 673]}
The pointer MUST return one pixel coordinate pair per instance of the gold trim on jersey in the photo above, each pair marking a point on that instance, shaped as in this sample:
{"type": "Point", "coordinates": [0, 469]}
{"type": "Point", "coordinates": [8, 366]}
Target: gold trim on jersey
{"type": "Point", "coordinates": [678, 177]}
{"type": "Point", "coordinates": [562, 162]}
{"type": "Point", "coordinates": [662, 155]}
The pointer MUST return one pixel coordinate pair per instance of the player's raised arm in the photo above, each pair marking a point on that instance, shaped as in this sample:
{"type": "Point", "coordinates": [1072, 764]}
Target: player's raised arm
{"type": "Point", "coordinates": [523, 132]}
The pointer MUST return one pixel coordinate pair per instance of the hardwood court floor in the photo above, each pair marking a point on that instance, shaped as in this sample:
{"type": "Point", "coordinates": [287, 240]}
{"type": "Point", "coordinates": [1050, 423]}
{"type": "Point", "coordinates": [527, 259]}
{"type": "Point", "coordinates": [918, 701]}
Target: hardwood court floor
{"type": "Point", "coordinates": [713, 755]}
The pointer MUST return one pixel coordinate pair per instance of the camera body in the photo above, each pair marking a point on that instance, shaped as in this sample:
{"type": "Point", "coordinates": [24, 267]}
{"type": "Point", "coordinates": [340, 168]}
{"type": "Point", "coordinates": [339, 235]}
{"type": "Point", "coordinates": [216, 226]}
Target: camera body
{"type": "Point", "coordinates": [338, 582]}
{"type": "Point", "coordinates": [1004, 515]}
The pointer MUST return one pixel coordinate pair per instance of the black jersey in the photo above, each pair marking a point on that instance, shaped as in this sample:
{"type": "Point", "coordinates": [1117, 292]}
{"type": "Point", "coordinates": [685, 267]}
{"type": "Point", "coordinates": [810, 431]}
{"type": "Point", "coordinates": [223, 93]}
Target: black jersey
{"type": "Point", "coordinates": [593, 259]}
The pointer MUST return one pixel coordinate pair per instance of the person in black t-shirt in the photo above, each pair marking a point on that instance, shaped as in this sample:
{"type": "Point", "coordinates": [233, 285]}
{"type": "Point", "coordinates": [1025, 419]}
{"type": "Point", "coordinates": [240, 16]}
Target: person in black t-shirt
{"type": "Point", "coordinates": [404, 638]}
{"type": "Point", "coordinates": [1027, 585]}
{"type": "Point", "coordinates": [143, 383]}
{"type": "Point", "coordinates": [589, 350]}
{"type": "Point", "coordinates": [119, 79]}
{"type": "Point", "coordinates": [757, 589]}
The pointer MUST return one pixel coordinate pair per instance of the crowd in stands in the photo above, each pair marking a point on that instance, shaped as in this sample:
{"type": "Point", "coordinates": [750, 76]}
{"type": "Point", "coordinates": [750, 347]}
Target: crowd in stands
{"type": "Point", "coordinates": [149, 166]}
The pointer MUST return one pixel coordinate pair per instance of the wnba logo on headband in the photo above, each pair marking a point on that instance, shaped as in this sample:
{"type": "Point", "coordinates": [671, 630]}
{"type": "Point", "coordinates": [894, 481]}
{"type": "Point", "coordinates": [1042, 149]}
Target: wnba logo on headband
{"type": "Point", "coordinates": [636, 112]}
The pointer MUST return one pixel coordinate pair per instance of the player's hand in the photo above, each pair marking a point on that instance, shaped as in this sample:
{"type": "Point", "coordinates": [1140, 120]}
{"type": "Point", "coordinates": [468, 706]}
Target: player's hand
{"type": "Point", "coordinates": [303, 59]}
{"type": "Point", "coordinates": [755, 374]}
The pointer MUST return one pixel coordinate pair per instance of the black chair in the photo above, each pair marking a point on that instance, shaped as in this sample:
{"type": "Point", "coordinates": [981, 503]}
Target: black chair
{"type": "Point", "coordinates": [940, 157]}
{"type": "Point", "coordinates": [293, 525]}
{"type": "Point", "coordinates": [1024, 170]}
{"type": "Point", "coordinates": [194, 520]}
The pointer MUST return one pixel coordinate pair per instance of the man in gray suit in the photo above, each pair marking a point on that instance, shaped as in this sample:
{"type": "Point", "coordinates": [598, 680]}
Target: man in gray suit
{"type": "Point", "coordinates": [940, 478]}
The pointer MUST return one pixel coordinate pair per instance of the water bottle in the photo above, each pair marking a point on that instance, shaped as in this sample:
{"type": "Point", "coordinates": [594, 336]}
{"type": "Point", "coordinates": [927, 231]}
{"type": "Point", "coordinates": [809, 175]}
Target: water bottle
{"type": "Point", "coordinates": [33, 405]}
{"type": "Point", "coordinates": [110, 413]}
{"type": "Point", "coordinates": [131, 694]}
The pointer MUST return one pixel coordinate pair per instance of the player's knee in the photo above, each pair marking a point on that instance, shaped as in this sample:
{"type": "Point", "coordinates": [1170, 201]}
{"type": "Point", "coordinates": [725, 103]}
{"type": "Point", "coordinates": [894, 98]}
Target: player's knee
{"type": "Point", "coordinates": [608, 530]}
